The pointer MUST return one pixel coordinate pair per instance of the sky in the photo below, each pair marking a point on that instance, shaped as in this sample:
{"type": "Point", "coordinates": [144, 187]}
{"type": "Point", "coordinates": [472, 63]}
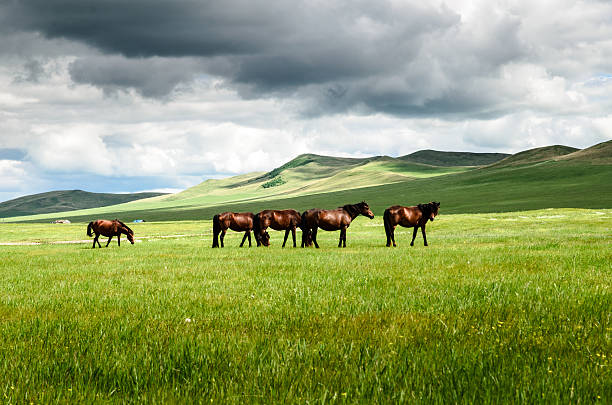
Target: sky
{"type": "Point", "coordinates": [116, 96]}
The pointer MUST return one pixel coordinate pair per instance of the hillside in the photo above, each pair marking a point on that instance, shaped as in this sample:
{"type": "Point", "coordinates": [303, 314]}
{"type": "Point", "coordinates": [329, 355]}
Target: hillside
{"type": "Point", "coordinates": [563, 181]}
{"type": "Point", "coordinates": [597, 154]}
{"type": "Point", "coordinates": [308, 174]}
{"type": "Point", "coordinates": [536, 155]}
{"type": "Point", "coordinates": [64, 200]}
{"type": "Point", "coordinates": [436, 158]}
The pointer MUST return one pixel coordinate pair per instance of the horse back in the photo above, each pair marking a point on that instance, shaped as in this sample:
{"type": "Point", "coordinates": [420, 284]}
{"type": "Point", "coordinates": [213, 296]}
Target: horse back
{"type": "Point", "coordinates": [105, 227]}
{"type": "Point", "coordinates": [240, 221]}
{"type": "Point", "coordinates": [332, 220]}
{"type": "Point", "coordinates": [404, 216]}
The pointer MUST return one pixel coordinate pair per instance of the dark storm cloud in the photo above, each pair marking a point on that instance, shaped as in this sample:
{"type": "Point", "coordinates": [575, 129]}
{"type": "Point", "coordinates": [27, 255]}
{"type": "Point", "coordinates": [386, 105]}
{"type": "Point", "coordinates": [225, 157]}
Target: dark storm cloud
{"type": "Point", "coordinates": [150, 28]}
{"type": "Point", "coordinates": [403, 59]}
{"type": "Point", "coordinates": [152, 77]}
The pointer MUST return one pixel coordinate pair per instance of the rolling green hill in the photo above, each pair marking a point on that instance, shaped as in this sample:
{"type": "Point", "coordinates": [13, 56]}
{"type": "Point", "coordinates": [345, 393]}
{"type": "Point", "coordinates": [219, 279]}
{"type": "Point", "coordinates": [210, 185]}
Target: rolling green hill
{"type": "Point", "coordinates": [536, 155]}
{"type": "Point", "coordinates": [552, 177]}
{"type": "Point", "coordinates": [64, 200]}
{"type": "Point", "coordinates": [600, 154]}
{"type": "Point", "coordinates": [436, 158]}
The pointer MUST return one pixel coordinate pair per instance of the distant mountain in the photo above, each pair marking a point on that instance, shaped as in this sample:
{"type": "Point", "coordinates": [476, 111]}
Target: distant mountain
{"type": "Point", "coordinates": [437, 158]}
{"type": "Point", "coordinates": [65, 200]}
{"type": "Point", "coordinates": [536, 155]}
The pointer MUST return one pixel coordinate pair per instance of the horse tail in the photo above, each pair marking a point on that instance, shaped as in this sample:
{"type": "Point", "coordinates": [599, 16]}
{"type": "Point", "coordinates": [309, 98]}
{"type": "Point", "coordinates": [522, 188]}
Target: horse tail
{"type": "Point", "coordinates": [387, 222]}
{"type": "Point", "coordinates": [256, 228]}
{"type": "Point", "coordinates": [216, 230]}
{"type": "Point", "coordinates": [89, 228]}
{"type": "Point", "coordinates": [305, 230]}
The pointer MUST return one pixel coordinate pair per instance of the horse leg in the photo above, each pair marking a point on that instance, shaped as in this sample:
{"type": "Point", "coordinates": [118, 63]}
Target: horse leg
{"type": "Point", "coordinates": [249, 235]}
{"type": "Point", "coordinates": [94, 242]}
{"type": "Point", "coordinates": [393, 236]}
{"type": "Point", "coordinates": [293, 236]}
{"type": "Point", "coordinates": [244, 238]}
{"type": "Point", "coordinates": [222, 236]}
{"type": "Point", "coordinates": [119, 240]}
{"type": "Point", "coordinates": [109, 239]}
{"type": "Point", "coordinates": [314, 237]}
{"type": "Point", "coordinates": [342, 231]}
{"type": "Point", "coordinates": [414, 235]}
{"type": "Point", "coordinates": [424, 237]}
{"type": "Point", "coordinates": [343, 237]}
{"type": "Point", "coordinates": [286, 236]}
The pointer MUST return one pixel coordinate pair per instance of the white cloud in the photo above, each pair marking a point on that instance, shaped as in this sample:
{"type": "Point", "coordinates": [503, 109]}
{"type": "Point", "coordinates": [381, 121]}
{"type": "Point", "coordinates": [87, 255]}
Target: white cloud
{"type": "Point", "coordinates": [467, 75]}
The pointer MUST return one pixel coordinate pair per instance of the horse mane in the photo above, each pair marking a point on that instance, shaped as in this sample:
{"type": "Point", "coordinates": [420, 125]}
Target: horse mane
{"type": "Point", "coordinates": [351, 209]}
{"type": "Point", "coordinates": [125, 226]}
{"type": "Point", "coordinates": [425, 208]}
{"type": "Point", "coordinates": [428, 208]}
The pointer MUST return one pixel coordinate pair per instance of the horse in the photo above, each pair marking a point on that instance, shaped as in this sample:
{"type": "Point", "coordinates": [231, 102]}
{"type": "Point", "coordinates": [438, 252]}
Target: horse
{"type": "Point", "coordinates": [416, 216]}
{"type": "Point", "coordinates": [109, 228]}
{"type": "Point", "coordinates": [279, 220]}
{"type": "Point", "coordinates": [331, 220]}
{"type": "Point", "coordinates": [236, 221]}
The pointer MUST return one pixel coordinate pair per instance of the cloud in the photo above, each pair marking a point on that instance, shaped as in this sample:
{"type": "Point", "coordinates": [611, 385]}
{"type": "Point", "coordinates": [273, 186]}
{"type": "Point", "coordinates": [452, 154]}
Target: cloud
{"type": "Point", "coordinates": [152, 77]}
{"type": "Point", "coordinates": [176, 91]}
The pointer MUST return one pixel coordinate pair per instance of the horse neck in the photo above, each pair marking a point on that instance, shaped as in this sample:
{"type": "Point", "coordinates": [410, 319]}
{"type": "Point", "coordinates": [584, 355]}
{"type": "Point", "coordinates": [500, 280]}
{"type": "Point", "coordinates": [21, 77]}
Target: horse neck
{"type": "Point", "coordinates": [352, 211]}
{"type": "Point", "coordinates": [425, 210]}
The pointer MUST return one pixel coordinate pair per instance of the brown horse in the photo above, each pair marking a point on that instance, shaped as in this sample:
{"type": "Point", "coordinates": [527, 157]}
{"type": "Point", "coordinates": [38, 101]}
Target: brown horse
{"type": "Point", "coordinates": [109, 228]}
{"type": "Point", "coordinates": [236, 221]}
{"type": "Point", "coordinates": [331, 220]}
{"type": "Point", "coordinates": [279, 220]}
{"type": "Point", "coordinates": [409, 217]}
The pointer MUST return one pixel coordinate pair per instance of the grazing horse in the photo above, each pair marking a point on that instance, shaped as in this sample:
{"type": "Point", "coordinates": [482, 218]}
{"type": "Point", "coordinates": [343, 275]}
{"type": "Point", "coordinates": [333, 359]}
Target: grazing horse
{"type": "Point", "coordinates": [331, 220]}
{"type": "Point", "coordinates": [109, 228]}
{"type": "Point", "coordinates": [236, 221]}
{"type": "Point", "coordinates": [409, 217]}
{"type": "Point", "coordinates": [279, 220]}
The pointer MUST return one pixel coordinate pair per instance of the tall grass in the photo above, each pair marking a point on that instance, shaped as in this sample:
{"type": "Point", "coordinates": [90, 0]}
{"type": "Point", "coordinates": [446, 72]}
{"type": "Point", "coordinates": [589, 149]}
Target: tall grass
{"type": "Point", "coordinates": [500, 307]}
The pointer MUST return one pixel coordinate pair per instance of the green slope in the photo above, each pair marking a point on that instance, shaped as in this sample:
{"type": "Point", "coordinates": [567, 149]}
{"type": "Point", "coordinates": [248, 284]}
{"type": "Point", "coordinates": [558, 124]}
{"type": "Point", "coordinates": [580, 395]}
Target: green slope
{"type": "Point", "coordinates": [536, 155]}
{"type": "Point", "coordinates": [64, 200]}
{"type": "Point", "coordinates": [600, 154]}
{"type": "Point", "coordinates": [307, 174]}
{"type": "Point", "coordinates": [571, 182]}
{"type": "Point", "coordinates": [436, 158]}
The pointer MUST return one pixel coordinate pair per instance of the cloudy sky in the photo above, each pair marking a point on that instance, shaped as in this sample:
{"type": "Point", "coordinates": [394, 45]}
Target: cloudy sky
{"type": "Point", "coordinates": [125, 96]}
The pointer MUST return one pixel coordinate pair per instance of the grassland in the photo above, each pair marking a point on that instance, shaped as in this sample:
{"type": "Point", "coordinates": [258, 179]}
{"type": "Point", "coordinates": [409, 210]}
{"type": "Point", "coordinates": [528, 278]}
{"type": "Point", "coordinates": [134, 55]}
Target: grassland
{"type": "Point", "coordinates": [512, 307]}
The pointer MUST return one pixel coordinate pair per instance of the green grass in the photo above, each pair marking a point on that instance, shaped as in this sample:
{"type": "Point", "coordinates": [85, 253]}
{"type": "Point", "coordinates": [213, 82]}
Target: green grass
{"type": "Point", "coordinates": [510, 307]}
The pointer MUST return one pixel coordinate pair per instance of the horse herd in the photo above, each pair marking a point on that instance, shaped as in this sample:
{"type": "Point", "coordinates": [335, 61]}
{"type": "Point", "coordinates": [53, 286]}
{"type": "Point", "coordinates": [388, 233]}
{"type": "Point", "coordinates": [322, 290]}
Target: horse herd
{"type": "Point", "coordinates": [289, 220]}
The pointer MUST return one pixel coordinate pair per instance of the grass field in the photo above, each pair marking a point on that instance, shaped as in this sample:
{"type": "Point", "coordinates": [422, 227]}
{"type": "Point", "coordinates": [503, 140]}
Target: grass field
{"type": "Point", "coordinates": [512, 307]}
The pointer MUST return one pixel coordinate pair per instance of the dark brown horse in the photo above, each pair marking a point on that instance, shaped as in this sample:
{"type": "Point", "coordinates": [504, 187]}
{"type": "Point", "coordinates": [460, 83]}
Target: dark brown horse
{"type": "Point", "coordinates": [409, 217]}
{"type": "Point", "coordinates": [236, 221]}
{"type": "Point", "coordinates": [279, 220]}
{"type": "Point", "coordinates": [331, 220]}
{"type": "Point", "coordinates": [109, 228]}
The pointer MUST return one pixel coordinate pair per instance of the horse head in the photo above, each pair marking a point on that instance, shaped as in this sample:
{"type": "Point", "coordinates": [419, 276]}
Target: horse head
{"type": "Point", "coordinates": [127, 231]}
{"type": "Point", "coordinates": [264, 238]}
{"type": "Point", "coordinates": [364, 210]}
{"type": "Point", "coordinates": [430, 210]}
{"type": "Point", "coordinates": [306, 237]}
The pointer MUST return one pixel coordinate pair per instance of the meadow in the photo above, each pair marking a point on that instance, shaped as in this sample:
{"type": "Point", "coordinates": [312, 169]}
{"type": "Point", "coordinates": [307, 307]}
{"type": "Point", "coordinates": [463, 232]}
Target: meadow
{"type": "Point", "coordinates": [512, 307]}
